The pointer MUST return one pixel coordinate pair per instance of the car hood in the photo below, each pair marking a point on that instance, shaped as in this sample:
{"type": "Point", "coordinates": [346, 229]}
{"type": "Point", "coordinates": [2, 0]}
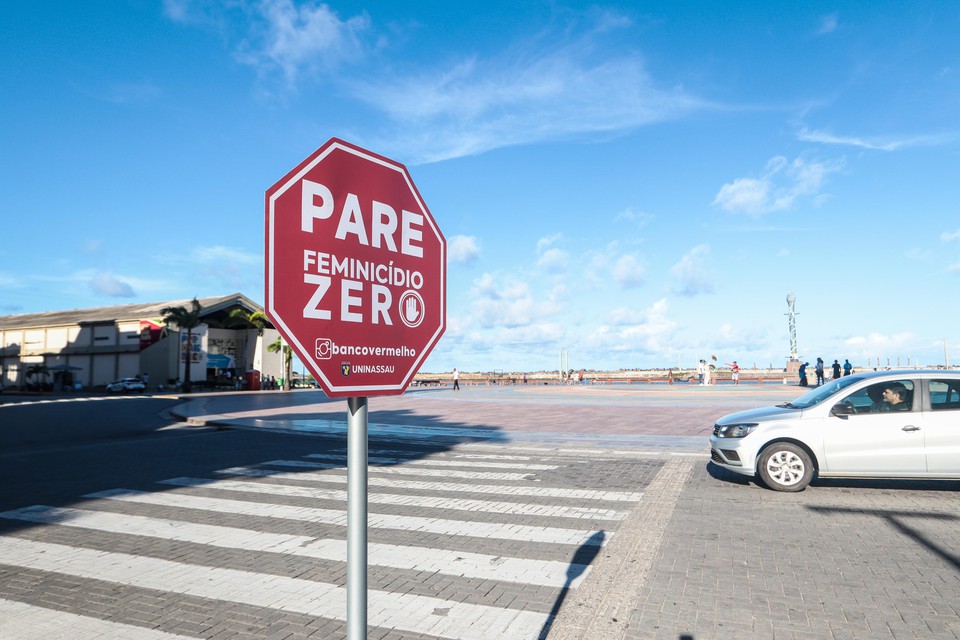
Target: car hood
{"type": "Point", "coordinates": [764, 414]}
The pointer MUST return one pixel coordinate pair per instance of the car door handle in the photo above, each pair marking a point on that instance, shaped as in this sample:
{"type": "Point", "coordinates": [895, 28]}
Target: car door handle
{"type": "Point", "coordinates": [910, 427]}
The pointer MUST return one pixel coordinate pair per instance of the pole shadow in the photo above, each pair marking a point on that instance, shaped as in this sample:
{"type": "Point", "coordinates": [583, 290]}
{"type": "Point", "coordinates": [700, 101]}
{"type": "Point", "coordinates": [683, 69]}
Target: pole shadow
{"type": "Point", "coordinates": [585, 554]}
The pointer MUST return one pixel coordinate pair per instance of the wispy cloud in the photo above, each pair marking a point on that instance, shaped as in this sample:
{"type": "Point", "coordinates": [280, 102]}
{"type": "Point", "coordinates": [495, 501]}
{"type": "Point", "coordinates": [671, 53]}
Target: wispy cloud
{"type": "Point", "coordinates": [533, 93]}
{"type": "Point", "coordinates": [463, 249]}
{"type": "Point", "coordinates": [691, 274]}
{"type": "Point", "coordinates": [881, 143]}
{"type": "Point", "coordinates": [948, 236]}
{"type": "Point", "coordinates": [108, 284]}
{"type": "Point", "coordinates": [302, 38]}
{"type": "Point", "coordinates": [629, 272]}
{"type": "Point", "coordinates": [778, 188]}
{"type": "Point", "coordinates": [281, 35]}
{"type": "Point", "coordinates": [828, 24]}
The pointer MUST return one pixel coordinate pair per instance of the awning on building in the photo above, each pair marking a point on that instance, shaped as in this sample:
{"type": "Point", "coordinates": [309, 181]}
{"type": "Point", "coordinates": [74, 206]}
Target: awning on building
{"type": "Point", "coordinates": [220, 361]}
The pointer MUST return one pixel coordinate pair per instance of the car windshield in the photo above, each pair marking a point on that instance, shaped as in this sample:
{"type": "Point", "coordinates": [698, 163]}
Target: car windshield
{"type": "Point", "coordinates": [821, 393]}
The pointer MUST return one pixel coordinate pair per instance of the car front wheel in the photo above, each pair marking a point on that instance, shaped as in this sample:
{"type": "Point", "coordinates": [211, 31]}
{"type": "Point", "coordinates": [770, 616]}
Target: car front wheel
{"type": "Point", "coordinates": [785, 467]}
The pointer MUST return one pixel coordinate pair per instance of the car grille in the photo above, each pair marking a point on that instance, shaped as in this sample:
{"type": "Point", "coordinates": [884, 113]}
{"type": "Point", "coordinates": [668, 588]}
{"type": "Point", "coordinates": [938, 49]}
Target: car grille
{"type": "Point", "coordinates": [715, 456]}
{"type": "Point", "coordinates": [728, 457]}
{"type": "Point", "coordinates": [716, 430]}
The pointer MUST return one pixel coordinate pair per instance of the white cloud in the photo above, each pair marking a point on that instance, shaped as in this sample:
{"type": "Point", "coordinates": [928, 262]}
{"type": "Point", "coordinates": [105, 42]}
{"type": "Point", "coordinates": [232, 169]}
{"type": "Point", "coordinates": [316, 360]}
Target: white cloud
{"type": "Point", "coordinates": [640, 218]}
{"type": "Point", "coordinates": [779, 188]}
{"type": "Point", "coordinates": [551, 258]}
{"type": "Point", "coordinates": [109, 285]}
{"type": "Point", "coordinates": [629, 272]}
{"type": "Point", "coordinates": [828, 24]}
{"type": "Point", "coordinates": [463, 249]}
{"type": "Point", "coordinates": [223, 255]}
{"type": "Point", "coordinates": [530, 93]}
{"type": "Point", "coordinates": [887, 143]}
{"type": "Point", "coordinates": [948, 236]}
{"type": "Point", "coordinates": [281, 35]}
{"type": "Point", "coordinates": [631, 330]}
{"type": "Point", "coordinates": [877, 345]}
{"type": "Point", "coordinates": [691, 272]}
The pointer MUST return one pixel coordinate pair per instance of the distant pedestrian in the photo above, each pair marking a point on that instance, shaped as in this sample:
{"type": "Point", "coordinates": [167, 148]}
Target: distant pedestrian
{"type": "Point", "coordinates": [847, 368]}
{"type": "Point", "coordinates": [802, 372]}
{"type": "Point", "coordinates": [701, 369]}
{"type": "Point", "coordinates": [819, 371]}
{"type": "Point", "coordinates": [734, 372]}
{"type": "Point", "coordinates": [836, 370]}
{"type": "Point", "coordinates": [456, 379]}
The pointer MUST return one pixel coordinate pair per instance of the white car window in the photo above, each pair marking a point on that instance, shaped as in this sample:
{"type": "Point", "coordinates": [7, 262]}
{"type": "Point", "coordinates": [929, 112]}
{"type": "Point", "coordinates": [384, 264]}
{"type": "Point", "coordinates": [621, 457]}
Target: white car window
{"type": "Point", "coordinates": [944, 395]}
{"type": "Point", "coordinates": [883, 397]}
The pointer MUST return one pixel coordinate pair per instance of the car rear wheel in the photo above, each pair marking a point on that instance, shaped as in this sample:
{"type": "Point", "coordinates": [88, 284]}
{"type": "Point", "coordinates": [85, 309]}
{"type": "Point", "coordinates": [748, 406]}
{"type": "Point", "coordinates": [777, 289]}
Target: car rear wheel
{"type": "Point", "coordinates": [785, 467]}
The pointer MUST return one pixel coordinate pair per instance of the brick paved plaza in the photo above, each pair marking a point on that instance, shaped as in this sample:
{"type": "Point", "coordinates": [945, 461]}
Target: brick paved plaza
{"type": "Point", "coordinates": [495, 512]}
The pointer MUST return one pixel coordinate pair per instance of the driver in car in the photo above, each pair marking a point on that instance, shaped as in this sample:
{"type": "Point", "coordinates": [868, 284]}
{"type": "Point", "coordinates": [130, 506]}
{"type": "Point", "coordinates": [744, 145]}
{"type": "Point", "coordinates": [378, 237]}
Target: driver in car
{"type": "Point", "coordinates": [893, 398]}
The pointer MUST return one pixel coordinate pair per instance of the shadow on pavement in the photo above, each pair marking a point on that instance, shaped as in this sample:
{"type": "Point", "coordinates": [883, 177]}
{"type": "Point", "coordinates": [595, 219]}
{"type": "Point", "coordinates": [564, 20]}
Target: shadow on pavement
{"type": "Point", "coordinates": [582, 558]}
{"type": "Point", "coordinates": [899, 520]}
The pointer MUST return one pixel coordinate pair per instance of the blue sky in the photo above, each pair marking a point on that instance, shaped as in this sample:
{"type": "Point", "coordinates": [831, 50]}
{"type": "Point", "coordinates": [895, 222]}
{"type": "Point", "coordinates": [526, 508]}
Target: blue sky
{"type": "Point", "coordinates": [637, 183]}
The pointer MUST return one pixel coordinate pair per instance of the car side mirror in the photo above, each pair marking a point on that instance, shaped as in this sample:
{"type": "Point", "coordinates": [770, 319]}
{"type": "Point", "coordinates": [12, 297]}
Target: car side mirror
{"type": "Point", "coordinates": [842, 410]}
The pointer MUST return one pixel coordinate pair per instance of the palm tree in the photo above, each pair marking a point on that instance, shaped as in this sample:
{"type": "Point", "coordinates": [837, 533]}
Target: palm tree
{"type": "Point", "coordinates": [276, 346]}
{"type": "Point", "coordinates": [188, 320]}
{"type": "Point", "coordinates": [241, 318]}
{"type": "Point", "coordinates": [35, 370]}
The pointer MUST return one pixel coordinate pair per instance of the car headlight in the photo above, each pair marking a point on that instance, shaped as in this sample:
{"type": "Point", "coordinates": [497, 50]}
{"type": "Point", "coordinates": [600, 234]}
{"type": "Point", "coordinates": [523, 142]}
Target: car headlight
{"type": "Point", "coordinates": [736, 430]}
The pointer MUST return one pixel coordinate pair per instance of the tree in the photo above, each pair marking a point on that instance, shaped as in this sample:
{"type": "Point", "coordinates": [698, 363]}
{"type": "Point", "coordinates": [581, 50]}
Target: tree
{"type": "Point", "coordinates": [184, 319]}
{"type": "Point", "coordinates": [276, 346]}
{"type": "Point", "coordinates": [35, 370]}
{"type": "Point", "coordinates": [241, 318]}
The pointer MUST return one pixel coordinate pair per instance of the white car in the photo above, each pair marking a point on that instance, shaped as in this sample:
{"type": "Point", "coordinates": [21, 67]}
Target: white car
{"type": "Point", "coordinates": [891, 424]}
{"type": "Point", "coordinates": [126, 384]}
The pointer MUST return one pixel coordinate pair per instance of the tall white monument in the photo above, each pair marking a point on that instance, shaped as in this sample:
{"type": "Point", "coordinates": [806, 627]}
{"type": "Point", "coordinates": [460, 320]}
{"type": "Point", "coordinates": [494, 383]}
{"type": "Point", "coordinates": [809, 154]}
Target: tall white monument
{"type": "Point", "coordinates": [792, 322]}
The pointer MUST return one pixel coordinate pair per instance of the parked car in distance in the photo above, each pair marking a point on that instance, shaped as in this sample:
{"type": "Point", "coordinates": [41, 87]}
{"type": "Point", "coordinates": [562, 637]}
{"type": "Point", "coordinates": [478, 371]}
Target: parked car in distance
{"type": "Point", "coordinates": [126, 384]}
{"type": "Point", "coordinates": [889, 424]}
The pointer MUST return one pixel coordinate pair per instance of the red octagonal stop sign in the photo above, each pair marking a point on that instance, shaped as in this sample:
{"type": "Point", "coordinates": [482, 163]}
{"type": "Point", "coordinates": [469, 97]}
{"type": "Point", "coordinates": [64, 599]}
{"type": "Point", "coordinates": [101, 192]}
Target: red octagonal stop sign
{"type": "Point", "coordinates": [355, 270]}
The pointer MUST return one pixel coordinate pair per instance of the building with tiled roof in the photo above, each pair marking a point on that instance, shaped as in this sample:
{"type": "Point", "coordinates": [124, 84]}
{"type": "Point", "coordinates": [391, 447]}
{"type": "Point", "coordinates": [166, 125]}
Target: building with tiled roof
{"type": "Point", "coordinates": [92, 347]}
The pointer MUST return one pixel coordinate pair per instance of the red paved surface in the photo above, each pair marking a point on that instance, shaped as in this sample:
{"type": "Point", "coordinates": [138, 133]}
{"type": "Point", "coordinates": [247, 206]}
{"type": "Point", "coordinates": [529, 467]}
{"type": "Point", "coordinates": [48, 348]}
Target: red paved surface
{"type": "Point", "coordinates": [678, 410]}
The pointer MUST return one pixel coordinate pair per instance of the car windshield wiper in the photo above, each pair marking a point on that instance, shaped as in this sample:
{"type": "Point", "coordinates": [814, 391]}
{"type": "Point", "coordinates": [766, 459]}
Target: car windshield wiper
{"type": "Point", "coordinates": [788, 405]}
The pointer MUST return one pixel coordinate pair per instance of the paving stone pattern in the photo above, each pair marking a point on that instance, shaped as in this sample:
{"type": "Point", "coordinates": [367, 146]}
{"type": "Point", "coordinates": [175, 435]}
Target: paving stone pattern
{"type": "Point", "coordinates": [155, 563]}
{"type": "Point", "coordinates": [842, 560]}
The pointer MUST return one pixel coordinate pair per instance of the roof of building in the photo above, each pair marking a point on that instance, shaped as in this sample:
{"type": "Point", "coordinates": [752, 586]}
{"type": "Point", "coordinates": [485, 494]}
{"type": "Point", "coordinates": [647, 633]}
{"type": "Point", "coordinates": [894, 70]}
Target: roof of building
{"type": "Point", "coordinates": [126, 312]}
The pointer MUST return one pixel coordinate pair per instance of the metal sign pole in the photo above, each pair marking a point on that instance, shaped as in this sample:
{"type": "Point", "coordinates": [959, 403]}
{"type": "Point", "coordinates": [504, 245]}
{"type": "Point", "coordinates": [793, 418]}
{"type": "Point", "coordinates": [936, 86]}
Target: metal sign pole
{"type": "Point", "coordinates": [356, 519]}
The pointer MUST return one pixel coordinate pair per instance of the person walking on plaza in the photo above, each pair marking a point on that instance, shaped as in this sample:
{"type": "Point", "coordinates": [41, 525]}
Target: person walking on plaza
{"type": "Point", "coordinates": [734, 372]}
{"type": "Point", "coordinates": [456, 379]}
{"type": "Point", "coordinates": [701, 366]}
{"type": "Point", "coordinates": [802, 372]}
{"type": "Point", "coordinates": [847, 368]}
{"type": "Point", "coordinates": [836, 370]}
{"type": "Point", "coordinates": [819, 371]}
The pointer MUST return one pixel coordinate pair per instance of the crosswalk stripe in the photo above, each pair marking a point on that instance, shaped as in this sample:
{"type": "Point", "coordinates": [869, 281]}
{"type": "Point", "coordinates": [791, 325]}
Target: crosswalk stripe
{"type": "Point", "coordinates": [373, 459]}
{"type": "Point", "coordinates": [375, 481]}
{"type": "Point", "coordinates": [23, 621]}
{"type": "Point", "coordinates": [456, 563]}
{"type": "Point", "coordinates": [445, 473]}
{"type": "Point", "coordinates": [441, 526]}
{"type": "Point", "coordinates": [486, 506]}
{"type": "Point", "coordinates": [413, 613]}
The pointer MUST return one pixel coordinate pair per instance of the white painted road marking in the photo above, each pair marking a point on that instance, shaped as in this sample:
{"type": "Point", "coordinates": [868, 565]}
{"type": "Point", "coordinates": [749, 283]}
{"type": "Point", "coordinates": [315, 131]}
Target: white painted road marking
{"type": "Point", "coordinates": [514, 508]}
{"type": "Point", "coordinates": [456, 563]}
{"type": "Point", "coordinates": [539, 492]}
{"type": "Point", "coordinates": [441, 526]}
{"type": "Point", "coordinates": [417, 614]}
{"type": "Point", "coordinates": [436, 462]}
